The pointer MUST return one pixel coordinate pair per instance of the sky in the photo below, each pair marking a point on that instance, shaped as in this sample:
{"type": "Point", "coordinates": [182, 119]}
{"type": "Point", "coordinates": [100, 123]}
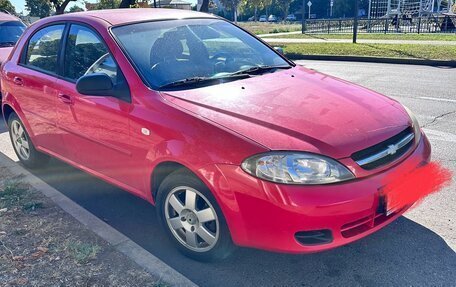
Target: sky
{"type": "Point", "coordinates": [20, 4]}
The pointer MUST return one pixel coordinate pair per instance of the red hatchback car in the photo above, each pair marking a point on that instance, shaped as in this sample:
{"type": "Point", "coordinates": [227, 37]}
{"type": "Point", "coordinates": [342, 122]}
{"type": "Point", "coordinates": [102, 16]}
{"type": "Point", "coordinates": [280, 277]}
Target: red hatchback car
{"type": "Point", "coordinates": [233, 143]}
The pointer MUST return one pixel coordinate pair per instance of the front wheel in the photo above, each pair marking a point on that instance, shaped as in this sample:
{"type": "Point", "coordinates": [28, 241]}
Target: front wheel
{"type": "Point", "coordinates": [193, 220]}
{"type": "Point", "coordinates": [23, 146]}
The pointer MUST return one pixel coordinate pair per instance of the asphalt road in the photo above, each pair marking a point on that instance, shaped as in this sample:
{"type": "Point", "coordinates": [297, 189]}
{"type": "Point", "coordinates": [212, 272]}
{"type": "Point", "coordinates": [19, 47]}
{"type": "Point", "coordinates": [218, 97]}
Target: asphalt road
{"type": "Point", "coordinates": [416, 250]}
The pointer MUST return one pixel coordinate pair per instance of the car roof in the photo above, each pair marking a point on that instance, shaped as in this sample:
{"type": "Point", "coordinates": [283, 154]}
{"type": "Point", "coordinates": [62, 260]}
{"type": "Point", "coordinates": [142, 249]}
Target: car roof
{"type": "Point", "coordinates": [130, 15]}
{"type": "Point", "coordinates": [7, 17]}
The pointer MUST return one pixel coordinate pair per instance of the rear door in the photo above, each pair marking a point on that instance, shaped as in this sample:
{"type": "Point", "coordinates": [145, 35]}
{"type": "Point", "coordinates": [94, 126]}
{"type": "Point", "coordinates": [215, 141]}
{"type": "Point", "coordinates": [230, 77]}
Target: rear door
{"type": "Point", "coordinates": [34, 83]}
{"type": "Point", "coordinates": [95, 128]}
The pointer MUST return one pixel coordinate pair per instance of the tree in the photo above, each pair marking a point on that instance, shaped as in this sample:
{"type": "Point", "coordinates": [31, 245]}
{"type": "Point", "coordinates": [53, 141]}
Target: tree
{"type": "Point", "coordinates": [5, 5]}
{"type": "Point", "coordinates": [127, 3]}
{"type": "Point", "coordinates": [346, 8]}
{"type": "Point", "coordinates": [38, 8]}
{"type": "Point", "coordinates": [231, 5]}
{"type": "Point", "coordinates": [75, 8]}
{"type": "Point", "coordinates": [284, 6]}
{"type": "Point", "coordinates": [60, 5]}
{"type": "Point", "coordinates": [107, 4]}
{"type": "Point", "coordinates": [257, 5]}
{"type": "Point", "coordinates": [205, 6]}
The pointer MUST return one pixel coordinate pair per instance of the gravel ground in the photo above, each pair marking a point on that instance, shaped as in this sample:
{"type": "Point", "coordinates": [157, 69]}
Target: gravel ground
{"type": "Point", "coordinates": [41, 245]}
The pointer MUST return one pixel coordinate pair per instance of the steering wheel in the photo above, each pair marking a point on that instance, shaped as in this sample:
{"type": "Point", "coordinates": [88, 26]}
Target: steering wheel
{"type": "Point", "coordinates": [228, 57]}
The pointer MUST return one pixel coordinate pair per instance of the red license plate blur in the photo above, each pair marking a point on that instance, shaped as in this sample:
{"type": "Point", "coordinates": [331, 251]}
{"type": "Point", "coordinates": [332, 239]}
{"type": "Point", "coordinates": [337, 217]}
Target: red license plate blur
{"type": "Point", "coordinates": [407, 188]}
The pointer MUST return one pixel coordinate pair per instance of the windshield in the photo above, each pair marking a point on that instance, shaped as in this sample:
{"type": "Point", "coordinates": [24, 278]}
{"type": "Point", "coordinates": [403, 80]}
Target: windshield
{"type": "Point", "coordinates": [10, 32]}
{"type": "Point", "coordinates": [191, 50]}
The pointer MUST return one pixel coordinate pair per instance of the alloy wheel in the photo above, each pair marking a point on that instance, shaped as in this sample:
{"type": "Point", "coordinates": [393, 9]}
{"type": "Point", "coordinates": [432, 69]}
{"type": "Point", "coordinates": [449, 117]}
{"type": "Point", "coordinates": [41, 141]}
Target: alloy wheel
{"type": "Point", "coordinates": [192, 219]}
{"type": "Point", "coordinates": [20, 140]}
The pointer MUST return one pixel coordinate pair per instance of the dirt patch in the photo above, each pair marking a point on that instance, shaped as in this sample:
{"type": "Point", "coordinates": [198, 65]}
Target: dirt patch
{"type": "Point", "coordinates": [41, 245]}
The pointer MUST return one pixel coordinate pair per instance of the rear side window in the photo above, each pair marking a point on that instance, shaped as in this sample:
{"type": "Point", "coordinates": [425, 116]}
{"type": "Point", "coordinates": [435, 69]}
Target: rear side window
{"type": "Point", "coordinates": [43, 48]}
{"type": "Point", "coordinates": [85, 54]}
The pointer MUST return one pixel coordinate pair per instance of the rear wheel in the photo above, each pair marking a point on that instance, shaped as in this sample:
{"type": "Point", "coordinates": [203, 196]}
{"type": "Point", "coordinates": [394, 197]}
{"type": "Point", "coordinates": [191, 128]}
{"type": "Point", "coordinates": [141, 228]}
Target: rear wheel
{"type": "Point", "coordinates": [23, 146]}
{"type": "Point", "coordinates": [193, 220]}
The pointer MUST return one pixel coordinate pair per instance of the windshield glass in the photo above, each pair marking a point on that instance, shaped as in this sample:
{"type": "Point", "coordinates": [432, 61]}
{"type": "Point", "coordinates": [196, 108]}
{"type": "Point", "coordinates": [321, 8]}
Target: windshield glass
{"type": "Point", "coordinates": [166, 52]}
{"type": "Point", "coordinates": [10, 32]}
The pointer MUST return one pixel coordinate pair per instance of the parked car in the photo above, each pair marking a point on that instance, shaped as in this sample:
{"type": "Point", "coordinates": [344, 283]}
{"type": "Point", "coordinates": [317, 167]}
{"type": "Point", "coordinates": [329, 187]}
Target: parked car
{"type": "Point", "coordinates": [251, 19]}
{"type": "Point", "coordinates": [11, 28]}
{"type": "Point", "coordinates": [233, 144]}
{"type": "Point", "coordinates": [291, 18]}
{"type": "Point", "coordinates": [263, 18]}
{"type": "Point", "coordinates": [272, 18]}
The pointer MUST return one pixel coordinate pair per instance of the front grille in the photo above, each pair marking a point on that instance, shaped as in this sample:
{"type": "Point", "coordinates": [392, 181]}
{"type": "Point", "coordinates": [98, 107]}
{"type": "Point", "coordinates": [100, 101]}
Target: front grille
{"type": "Point", "coordinates": [386, 151]}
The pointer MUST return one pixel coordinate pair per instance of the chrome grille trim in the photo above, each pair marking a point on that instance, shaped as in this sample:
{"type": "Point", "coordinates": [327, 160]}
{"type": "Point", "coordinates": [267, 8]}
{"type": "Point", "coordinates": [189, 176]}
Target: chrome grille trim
{"type": "Point", "coordinates": [390, 150]}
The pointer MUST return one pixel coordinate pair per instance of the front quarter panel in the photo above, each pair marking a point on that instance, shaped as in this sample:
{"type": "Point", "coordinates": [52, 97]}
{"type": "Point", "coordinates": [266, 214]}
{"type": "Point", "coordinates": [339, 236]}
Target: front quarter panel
{"type": "Point", "coordinates": [161, 132]}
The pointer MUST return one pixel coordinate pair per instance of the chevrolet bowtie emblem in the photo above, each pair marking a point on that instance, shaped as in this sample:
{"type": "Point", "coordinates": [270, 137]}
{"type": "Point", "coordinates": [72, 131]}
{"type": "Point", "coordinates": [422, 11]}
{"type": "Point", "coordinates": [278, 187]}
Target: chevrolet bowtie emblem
{"type": "Point", "coordinates": [392, 149]}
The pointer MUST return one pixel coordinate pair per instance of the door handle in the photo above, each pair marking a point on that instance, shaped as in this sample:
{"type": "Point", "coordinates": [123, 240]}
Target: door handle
{"type": "Point", "coordinates": [65, 99]}
{"type": "Point", "coordinates": [18, 81]}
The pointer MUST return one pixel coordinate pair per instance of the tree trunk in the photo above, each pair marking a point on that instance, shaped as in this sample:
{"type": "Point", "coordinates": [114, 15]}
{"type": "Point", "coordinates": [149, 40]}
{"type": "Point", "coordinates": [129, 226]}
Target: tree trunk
{"type": "Point", "coordinates": [127, 3]}
{"type": "Point", "coordinates": [205, 6]}
{"type": "Point", "coordinates": [256, 13]}
{"type": "Point", "coordinates": [60, 9]}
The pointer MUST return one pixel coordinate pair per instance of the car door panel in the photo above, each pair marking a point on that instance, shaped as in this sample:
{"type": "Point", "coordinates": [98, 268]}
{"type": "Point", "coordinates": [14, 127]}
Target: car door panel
{"type": "Point", "coordinates": [95, 128]}
{"type": "Point", "coordinates": [97, 131]}
{"type": "Point", "coordinates": [34, 83]}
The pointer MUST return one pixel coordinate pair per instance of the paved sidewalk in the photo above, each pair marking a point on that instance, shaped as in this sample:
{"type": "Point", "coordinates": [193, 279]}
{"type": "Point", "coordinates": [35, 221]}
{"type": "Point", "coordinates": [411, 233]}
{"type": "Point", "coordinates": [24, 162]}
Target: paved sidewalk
{"type": "Point", "coordinates": [57, 233]}
{"type": "Point", "coordinates": [363, 41]}
{"type": "Point", "coordinates": [280, 34]}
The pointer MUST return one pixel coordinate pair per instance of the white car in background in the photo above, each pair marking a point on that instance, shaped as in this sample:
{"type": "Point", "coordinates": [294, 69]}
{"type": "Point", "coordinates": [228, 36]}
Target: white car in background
{"type": "Point", "coordinates": [272, 18]}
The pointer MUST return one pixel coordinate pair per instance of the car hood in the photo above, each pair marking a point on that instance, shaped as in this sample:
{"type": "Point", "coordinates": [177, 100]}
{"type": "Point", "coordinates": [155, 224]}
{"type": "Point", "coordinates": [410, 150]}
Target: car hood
{"type": "Point", "coordinates": [298, 109]}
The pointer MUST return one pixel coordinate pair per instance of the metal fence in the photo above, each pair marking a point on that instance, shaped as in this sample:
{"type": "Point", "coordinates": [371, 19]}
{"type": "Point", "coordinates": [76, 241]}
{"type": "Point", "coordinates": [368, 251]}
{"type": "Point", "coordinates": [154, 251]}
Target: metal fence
{"type": "Point", "coordinates": [437, 24]}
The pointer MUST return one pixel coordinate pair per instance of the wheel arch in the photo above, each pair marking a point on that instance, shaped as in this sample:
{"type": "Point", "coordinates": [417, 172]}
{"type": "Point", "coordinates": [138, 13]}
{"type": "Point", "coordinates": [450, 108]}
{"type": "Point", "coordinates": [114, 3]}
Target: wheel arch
{"type": "Point", "coordinates": [11, 106]}
{"type": "Point", "coordinates": [212, 177]}
{"type": "Point", "coordinates": [7, 111]}
{"type": "Point", "coordinates": [161, 171]}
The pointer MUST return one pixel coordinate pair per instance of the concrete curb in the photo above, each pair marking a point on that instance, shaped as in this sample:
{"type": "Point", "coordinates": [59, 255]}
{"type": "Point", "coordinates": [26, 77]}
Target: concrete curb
{"type": "Point", "coordinates": [120, 242]}
{"type": "Point", "coordinates": [402, 61]}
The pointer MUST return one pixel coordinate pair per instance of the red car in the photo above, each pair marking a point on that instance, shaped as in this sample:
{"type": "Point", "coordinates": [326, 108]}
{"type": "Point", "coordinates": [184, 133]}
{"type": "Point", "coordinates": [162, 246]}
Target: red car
{"type": "Point", "coordinates": [11, 29]}
{"type": "Point", "coordinates": [233, 143]}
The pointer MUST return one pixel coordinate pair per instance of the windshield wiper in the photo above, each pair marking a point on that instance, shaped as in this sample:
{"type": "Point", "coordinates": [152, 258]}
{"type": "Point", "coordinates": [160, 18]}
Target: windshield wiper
{"type": "Point", "coordinates": [259, 69]}
{"type": "Point", "coordinates": [202, 80]}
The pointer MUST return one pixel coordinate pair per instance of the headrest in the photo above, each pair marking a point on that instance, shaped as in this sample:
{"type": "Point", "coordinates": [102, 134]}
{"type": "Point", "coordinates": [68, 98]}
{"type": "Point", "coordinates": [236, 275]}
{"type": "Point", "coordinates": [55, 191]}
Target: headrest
{"type": "Point", "coordinates": [168, 46]}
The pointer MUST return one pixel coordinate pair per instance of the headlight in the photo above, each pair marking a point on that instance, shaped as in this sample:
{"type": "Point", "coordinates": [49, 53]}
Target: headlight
{"type": "Point", "coordinates": [415, 124]}
{"type": "Point", "coordinates": [296, 168]}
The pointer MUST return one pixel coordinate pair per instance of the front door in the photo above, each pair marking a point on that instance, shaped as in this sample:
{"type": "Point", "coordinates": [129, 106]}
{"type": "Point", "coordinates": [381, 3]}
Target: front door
{"type": "Point", "coordinates": [95, 128]}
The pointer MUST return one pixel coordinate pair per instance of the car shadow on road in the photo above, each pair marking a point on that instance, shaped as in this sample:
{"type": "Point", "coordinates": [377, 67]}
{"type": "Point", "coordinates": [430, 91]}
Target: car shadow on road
{"type": "Point", "coordinates": [403, 253]}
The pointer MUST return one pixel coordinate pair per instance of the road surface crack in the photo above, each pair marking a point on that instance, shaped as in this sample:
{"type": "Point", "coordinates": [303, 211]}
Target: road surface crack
{"type": "Point", "coordinates": [437, 118]}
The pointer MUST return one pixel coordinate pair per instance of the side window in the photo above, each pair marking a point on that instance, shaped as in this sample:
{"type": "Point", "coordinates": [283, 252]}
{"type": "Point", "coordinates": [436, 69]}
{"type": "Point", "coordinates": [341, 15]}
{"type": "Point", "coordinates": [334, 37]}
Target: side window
{"type": "Point", "coordinates": [43, 48]}
{"type": "Point", "coordinates": [85, 54]}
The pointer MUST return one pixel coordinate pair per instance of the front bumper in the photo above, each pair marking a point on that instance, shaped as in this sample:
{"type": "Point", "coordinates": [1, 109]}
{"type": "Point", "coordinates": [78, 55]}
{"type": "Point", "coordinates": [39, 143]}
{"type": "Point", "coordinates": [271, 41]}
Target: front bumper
{"type": "Point", "coordinates": [268, 216]}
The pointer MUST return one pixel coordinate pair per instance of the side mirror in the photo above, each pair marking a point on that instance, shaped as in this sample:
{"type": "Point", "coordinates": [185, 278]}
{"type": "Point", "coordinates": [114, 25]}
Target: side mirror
{"type": "Point", "coordinates": [97, 84]}
{"type": "Point", "coordinates": [279, 49]}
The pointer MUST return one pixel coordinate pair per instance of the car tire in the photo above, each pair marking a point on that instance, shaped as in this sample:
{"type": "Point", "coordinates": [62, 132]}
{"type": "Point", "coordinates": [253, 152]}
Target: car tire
{"type": "Point", "coordinates": [23, 146]}
{"type": "Point", "coordinates": [192, 219]}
